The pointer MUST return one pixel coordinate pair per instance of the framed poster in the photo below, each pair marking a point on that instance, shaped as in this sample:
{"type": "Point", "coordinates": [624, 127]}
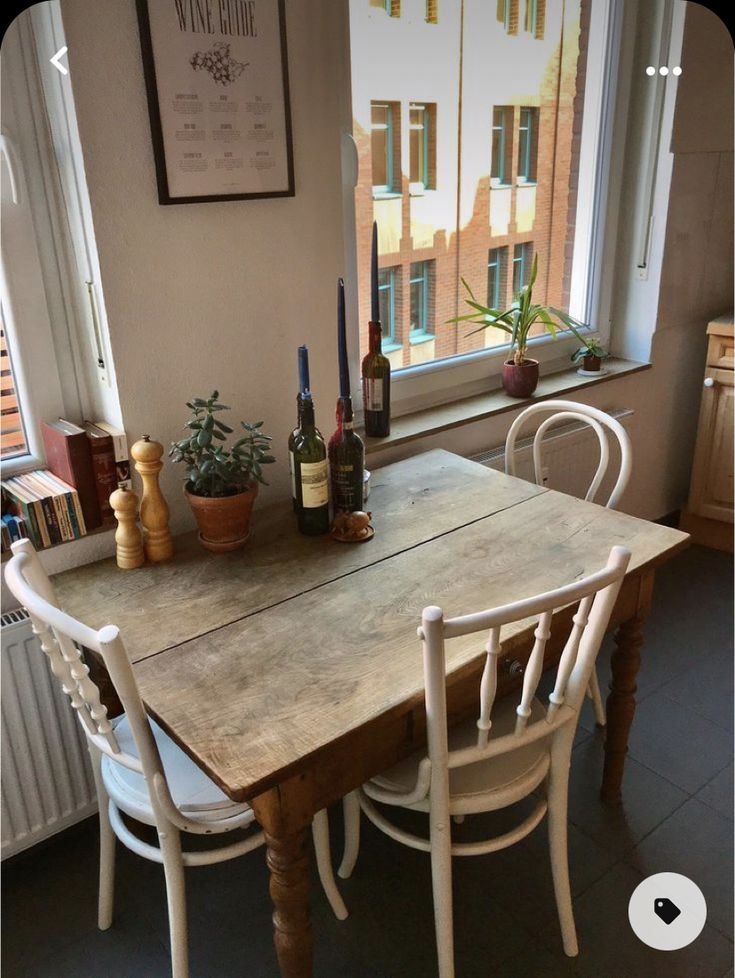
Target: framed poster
{"type": "Point", "coordinates": [216, 73]}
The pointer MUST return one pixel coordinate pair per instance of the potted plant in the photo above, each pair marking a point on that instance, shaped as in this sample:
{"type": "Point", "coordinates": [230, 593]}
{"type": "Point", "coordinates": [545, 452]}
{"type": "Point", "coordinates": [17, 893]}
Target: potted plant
{"type": "Point", "coordinates": [591, 354]}
{"type": "Point", "coordinates": [221, 483]}
{"type": "Point", "coordinates": [520, 372]}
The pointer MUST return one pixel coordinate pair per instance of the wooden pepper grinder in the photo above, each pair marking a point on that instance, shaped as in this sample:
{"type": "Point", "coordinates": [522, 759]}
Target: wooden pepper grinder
{"type": "Point", "coordinates": [128, 538]}
{"type": "Point", "coordinates": [153, 507]}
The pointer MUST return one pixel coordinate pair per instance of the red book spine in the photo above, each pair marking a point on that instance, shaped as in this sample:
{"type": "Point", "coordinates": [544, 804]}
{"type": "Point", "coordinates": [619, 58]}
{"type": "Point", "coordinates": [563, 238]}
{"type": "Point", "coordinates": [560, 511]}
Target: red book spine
{"type": "Point", "coordinates": [105, 474]}
{"type": "Point", "coordinates": [69, 457]}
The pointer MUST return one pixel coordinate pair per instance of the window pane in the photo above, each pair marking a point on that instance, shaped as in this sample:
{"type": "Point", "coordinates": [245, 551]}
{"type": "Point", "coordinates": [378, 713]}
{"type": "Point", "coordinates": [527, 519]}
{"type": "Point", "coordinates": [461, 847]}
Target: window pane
{"type": "Point", "coordinates": [501, 168]}
{"type": "Point", "coordinates": [12, 438]}
{"type": "Point", "coordinates": [380, 145]}
{"type": "Point", "coordinates": [386, 287]}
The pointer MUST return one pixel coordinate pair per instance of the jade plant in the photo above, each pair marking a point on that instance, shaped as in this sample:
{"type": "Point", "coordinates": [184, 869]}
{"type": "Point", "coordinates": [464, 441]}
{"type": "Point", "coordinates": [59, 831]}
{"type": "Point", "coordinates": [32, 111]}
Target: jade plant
{"type": "Point", "coordinates": [519, 318]}
{"type": "Point", "coordinates": [590, 348]}
{"type": "Point", "coordinates": [212, 469]}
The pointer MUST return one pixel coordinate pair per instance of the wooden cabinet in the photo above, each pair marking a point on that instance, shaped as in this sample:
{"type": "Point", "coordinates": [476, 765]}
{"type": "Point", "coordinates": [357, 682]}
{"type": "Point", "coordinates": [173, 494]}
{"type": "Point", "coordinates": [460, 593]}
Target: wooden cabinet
{"type": "Point", "coordinates": [709, 515]}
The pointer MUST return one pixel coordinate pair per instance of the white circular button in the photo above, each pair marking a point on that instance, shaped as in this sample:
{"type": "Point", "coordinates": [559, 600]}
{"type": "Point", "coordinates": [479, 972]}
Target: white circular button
{"type": "Point", "coordinates": [667, 911]}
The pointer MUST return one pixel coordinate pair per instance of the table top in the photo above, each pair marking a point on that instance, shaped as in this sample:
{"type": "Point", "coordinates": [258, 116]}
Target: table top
{"type": "Point", "coordinates": [258, 662]}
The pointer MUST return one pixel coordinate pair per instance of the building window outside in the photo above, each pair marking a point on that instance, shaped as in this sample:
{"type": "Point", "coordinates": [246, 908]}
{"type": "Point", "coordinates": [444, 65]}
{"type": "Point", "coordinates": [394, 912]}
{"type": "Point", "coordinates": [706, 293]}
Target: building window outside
{"type": "Point", "coordinates": [381, 142]}
{"type": "Point", "coordinates": [422, 143]}
{"type": "Point", "coordinates": [535, 17]}
{"type": "Point", "coordinates": [432, 11]}
{"type": "Point", "coordinates": [508, 15]}
{"type": "Point", "coordinates": [387, 300]}
{"type": "Point", "coordinates": [392, 7]}
{"type": "Point", "coordinates": [496, 261]}
{"type": "Point", "coordinates": [420, 284]}
{"type": "Point", "coordinates": [502, 147]}
{"type": "Point", "coordinates": [522, 258]}
{"type": "Point", "coordinates": [528, 145]}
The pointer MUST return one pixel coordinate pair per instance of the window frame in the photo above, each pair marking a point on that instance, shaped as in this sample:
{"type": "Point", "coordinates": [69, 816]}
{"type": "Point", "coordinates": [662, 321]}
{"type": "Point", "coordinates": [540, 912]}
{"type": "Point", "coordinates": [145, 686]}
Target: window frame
{"type": "Point", "coordinates": [420, 386]}
{"type": "Point", "coordinates": [423, 332]}
{"type": "Point", "coordinates": [423, 168]}
{"type": "Point", "coordinates": [504, 157]}
{"type": "Point", "coordinates": [390, 341]}
{"type": "Point", "coordinates": [378, 188]}
{"type": "Point", "coordinates": [526, 171]}
{"type": "Point", "coordinates": [495, 301]}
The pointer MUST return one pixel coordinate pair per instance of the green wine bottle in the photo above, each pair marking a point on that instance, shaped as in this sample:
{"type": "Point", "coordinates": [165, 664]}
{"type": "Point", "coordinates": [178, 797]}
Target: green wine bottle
{"type": "Point", "coordinates": [346, 461]}
{"type": "Point", "coordinates": [291, 444]}
{"type": "Point", "coordinates": [311, 474]}
{"type": "Point", "coordinates": [376, 386]}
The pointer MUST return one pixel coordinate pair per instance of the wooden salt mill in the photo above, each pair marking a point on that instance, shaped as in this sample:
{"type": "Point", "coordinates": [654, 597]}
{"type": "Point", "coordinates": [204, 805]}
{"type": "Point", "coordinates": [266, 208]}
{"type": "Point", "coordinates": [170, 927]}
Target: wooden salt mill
{"type": "Point", "coordinates": [153, 507]}
{"type": "Point", "coordinates": [128, 538]}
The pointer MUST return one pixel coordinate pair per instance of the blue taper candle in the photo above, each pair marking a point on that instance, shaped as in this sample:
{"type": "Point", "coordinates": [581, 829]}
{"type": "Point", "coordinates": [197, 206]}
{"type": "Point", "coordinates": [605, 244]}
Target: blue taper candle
{"type": "Point", "coordinates": [304, 369]}
{"type": "Point", "coordinates": [344, 370]}
{"type": "Point", "coordinates": [374, 294]}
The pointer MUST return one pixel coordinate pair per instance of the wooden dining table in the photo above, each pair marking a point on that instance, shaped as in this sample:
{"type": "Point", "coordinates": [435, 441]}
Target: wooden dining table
{"type": "Point", "coordinates": [291, 671]}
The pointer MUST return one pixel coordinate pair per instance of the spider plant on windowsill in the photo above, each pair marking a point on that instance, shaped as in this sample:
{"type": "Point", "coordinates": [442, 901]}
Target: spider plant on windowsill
{"type": "Point", "coordinates": [520, 372]}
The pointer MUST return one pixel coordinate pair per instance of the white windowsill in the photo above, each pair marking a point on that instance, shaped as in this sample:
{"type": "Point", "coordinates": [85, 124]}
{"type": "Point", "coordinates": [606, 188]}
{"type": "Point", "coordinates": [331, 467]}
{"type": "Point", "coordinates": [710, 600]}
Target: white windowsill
{"type": "Point", "coordinates": [411, 427]}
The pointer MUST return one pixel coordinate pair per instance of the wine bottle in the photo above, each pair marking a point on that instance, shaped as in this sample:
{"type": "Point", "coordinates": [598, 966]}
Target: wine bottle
{"type": "Point", "coordinates": [311, 474]}
{"type": "Point", "coordinates": [376, 386]}
{"type": "Point", "coordinates": [346, 461]}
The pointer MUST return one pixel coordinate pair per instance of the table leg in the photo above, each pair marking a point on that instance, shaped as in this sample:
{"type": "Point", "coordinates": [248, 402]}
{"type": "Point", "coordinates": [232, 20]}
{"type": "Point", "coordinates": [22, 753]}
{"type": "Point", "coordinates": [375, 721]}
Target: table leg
{"type": "Point", "coordinates": [625, 662]}
{"type": "Point", "coordinates": [288, 862]}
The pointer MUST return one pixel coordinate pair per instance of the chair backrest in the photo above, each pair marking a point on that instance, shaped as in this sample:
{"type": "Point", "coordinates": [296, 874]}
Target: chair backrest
{"type": "Point", "coordinates": [599, 421]}
{"type": "Point", "coordinates": [595, 595]}
{"type": "Point", "coordinates": [61, 637]}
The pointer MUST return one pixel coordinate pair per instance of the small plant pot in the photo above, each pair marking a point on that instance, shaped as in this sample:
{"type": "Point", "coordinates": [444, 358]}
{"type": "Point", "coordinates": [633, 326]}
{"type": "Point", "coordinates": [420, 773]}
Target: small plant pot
{"type": "Point", "coordinates": [223, 521]}
{"type": "Point", "coordinates": [520, 380]}
{"type": "Point", "coordinates": [591, 363]}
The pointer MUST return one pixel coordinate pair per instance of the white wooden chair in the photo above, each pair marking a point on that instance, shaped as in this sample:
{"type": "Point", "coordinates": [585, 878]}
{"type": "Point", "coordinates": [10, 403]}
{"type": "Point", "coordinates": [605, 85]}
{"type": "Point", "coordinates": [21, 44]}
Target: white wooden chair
{"type": "Point", "coordinates": [137, 768]}
{"type": "Point", "coordinates": [502, 757]}
{"type": "Point", "coordinates": [601, 423]}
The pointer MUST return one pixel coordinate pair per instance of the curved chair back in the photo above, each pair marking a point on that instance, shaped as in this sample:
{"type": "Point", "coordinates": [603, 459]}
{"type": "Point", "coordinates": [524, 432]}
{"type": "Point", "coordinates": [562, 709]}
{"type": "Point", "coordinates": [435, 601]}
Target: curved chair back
{"type": "Point", "coordinates": [599, 421]}
{"type": "Point", "coordinates": [596, 595]}
{"type": "Point", "coordinates": [61, 637]}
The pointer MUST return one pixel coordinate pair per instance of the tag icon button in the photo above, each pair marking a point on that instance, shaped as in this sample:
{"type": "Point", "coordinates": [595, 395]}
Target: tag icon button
{"type": "Point", "coordinates": [666, 910]}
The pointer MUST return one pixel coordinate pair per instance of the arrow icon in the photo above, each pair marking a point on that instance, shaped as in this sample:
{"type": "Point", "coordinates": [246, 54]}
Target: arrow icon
{"type": "Point", "coordinates": [57, 63]}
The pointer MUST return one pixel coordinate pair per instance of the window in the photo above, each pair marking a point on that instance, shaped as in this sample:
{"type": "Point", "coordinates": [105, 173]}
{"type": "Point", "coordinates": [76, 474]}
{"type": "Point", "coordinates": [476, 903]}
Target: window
{"type": "Point", "coordinates": [387, 299]}
{"type": "Point", "coordinates": [391, 7]}
{"type": "Point", "coordinates": [535, 17]}
{"type": "Point", "coordinates": [487, 189]}
{"type": "Point", "coordinates": [522, 260]}
{"type": "Point", "coordinates": [527, 145]}
{"type": "Point", "coordinates": [13, 439]}
{"type": "Point", "coordinates": [496, 261]}
{"type": "Point", "coordinates": [432, 11]}
{"type": "Point", "coordinates": [507, 14]}
{"type": "Point", "coordinates": [381, 144]}
{"type": "Point", "coordinates": [422, 143]}
{"type": "Point", "coordinates": [502, 144]}
{"type": "Point", "coordinates": [420, 283]}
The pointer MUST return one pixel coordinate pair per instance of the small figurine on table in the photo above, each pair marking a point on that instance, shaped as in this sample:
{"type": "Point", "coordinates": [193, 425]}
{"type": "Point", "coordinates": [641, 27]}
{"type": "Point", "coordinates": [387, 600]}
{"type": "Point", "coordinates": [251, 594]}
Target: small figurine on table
{"type": "Point", "coordinates": [352, 527]}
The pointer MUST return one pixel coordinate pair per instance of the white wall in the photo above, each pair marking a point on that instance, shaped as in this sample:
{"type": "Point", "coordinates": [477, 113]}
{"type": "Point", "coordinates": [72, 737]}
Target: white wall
{"type": "Point", "coordinates": [221, 294]}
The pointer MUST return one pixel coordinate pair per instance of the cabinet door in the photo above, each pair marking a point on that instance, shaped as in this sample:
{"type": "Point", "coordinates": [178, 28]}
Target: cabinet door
{"type": "Point", "coordinates": [712, 475]}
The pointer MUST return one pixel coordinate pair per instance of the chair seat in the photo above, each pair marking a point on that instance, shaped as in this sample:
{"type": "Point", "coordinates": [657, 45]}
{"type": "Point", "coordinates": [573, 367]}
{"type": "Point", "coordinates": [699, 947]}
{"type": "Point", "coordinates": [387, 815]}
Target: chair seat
{"type": "Point", "coordinates": [507, 775]}
{"type": "Point", "coordinates": [191, 789]}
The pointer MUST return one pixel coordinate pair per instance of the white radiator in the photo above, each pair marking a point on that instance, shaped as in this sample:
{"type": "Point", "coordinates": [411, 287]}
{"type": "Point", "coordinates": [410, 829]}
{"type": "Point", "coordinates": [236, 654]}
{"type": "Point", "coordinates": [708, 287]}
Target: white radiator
{"type": "Point", "coordinates": [569, 455]}
{"type": "Point", "coordinates": [47, 781]}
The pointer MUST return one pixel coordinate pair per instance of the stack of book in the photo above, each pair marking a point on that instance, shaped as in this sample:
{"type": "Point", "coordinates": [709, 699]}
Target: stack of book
{"type": "Point", "coordinates": [86, 463]}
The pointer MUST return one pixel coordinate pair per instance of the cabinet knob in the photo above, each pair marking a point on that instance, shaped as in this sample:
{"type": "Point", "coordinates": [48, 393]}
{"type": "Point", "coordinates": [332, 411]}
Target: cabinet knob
{"type": "Point", "coordinates": [515, 668]}
{"type": "Point", "coordinates": [709, 382]}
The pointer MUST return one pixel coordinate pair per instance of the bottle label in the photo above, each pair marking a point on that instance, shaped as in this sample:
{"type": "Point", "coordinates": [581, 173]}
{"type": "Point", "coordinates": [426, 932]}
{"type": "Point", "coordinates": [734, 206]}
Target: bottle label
{"type": "Point", "coordinates": [314, 484]}
{"type": "Point", "coordinates": [292, 470]}
{"type": "Point", "coordinates": [372, 393]}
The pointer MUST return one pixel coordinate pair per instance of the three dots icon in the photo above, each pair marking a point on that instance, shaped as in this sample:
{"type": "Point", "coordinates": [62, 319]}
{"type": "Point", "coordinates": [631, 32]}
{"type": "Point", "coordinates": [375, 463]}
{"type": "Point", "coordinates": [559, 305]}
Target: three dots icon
{"type": "Point", "coordinates": [663, 70]}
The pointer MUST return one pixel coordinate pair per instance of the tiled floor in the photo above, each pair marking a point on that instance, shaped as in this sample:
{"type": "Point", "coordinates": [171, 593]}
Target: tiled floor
{"type": "Point", "coordinates": [677, 817]}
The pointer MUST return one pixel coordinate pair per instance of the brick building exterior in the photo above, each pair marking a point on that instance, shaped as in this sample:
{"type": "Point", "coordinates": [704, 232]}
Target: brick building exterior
{"type": "Point", "coordinates": [467, 119]}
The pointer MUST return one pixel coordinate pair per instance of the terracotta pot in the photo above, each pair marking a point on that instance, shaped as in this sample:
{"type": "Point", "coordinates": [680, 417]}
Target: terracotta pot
{"type": "Point", "coordinates": [591, 362]}
{"type": "Point", "coordinates": [223, 521]}
{"type": "Point", "coordinates": [520, 380]}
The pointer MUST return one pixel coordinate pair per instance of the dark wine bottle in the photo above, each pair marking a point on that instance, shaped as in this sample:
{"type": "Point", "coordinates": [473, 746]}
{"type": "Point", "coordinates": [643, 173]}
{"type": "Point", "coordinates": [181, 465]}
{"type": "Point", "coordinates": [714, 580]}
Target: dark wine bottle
{"type": "Point", "coordinates": [311, 473]}
{"type": "Point", "coordinates": [346, 461]}
{"type": "Point", "coordinates": [376, 386]}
